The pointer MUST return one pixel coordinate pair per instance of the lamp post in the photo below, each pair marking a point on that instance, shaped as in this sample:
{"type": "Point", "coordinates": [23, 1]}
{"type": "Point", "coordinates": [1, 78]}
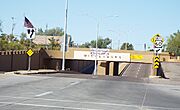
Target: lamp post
{"type": "Point", "coordinates": [118, 42]}
{"type": "Point", "coordinates": [97, 35]}
{"type": "Point", "coordinates": [65, 33]}
{"type": "Point", "coordinates": [95, 62]}
{"type": "Point", "coordinates": [13, 25]}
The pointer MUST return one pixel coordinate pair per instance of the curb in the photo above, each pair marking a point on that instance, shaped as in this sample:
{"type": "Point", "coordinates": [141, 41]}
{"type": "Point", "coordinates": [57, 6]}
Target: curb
{"type": "Point", "coordinates": [32, 72]}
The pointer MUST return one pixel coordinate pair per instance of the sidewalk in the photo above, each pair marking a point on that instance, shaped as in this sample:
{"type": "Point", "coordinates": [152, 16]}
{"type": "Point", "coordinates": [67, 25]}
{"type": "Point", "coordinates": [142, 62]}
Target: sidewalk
{"type": "Point", "coordinates": [26, 72]}
{"type": "Point", "coordinates": [171, 71]}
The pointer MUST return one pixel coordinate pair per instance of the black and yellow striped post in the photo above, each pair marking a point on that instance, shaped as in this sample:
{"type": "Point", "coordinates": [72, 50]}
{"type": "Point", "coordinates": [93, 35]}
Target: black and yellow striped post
{"type": "Point", "coordinates": [156, 64]}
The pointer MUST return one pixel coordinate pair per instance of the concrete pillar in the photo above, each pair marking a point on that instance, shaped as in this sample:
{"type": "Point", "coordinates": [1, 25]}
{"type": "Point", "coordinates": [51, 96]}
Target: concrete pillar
{"type": "Point", "coordinates": [107, 68]}
{"type": "Point", "coordinates": [111, 68]}
{"type": "Point", "coordinates": [101, 68]}
{"type": "Point", "coordinates": [116, 68]}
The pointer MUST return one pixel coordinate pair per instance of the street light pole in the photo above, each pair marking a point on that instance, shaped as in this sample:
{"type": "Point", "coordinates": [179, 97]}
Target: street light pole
{"type": "Point", "coordinates": [13, 25]}
{"type": "Point", "coordinates": [65, 33]}
{"type": "Point", "coordinates": [97, 35]}
{"type": "Point", "coordinates": [95, 63]}
{"type": "Point", "coordinates": [46, 37]}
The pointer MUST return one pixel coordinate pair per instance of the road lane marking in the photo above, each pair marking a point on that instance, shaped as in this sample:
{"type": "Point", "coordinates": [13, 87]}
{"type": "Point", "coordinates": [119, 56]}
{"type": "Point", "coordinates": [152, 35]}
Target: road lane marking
{"type": "Point", "coordinates": [71, 84]}
{"type": "Point", "coordinates": [76, 108]}
{"type": "Point", "coordinates": [138, 70]}
{"type": "Point", "coordinates": [74, 83]}
{"type": "Point", "coordinates": [43, 94]}
{"type": "Point", "coordinates": [47, 106]}
{"type": "Point", "coordinates": [79, 102]}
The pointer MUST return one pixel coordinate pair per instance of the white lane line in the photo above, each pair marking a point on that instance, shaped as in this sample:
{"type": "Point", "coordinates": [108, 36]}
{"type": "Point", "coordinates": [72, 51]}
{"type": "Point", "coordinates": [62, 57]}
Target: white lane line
{"type": "Point", "coordinates": [138, 70]}
{"type": "Point", "coordinates": [74, 83]}
{"type": "Point", "coordinates": [139, 66]}
{"type": "Point", "coordinates": [76, 108]}
{"type": "Point", "coordinates": [43, 94]}
{"type": "Point", "coordinates": [79, 102]}
{"type": "Point", "coordinates": [47, 106]}
{"type": "Point", "coordinates": [71, 84]}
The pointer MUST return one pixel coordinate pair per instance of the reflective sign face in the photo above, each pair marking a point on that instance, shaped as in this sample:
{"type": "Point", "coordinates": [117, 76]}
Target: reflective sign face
{"type": "Point", "coordinates": [157, 50]}
{"type": "Point", "coordinates": [30, 52]}
{"type": "Point", "coordinates": [156, 62]}
{"type": "Point", "coordinates": [157, 40]}
{"type": "Point", "coordinates": [30, 33]}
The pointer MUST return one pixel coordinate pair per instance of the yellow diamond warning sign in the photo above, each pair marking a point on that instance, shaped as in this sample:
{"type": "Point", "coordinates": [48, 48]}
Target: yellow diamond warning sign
{"type": "Point", "coordinates": [30, 52]}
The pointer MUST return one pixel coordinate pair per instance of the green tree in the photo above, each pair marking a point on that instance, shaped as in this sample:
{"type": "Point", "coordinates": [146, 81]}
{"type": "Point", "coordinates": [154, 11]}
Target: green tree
{"type": "Point", "coordinates": [51, 32]}
{"type": "Point", "coordinates": [127, 46]}
{"type": "Point", "coordinates": [101, 43]}
{"type": "Point", "coordinates": [24, 41]}
{"type": "Point", "coordinates": [3, 42]}
{"type": "Point", "coordinates": [9, 42]}
{"type": "Point", "coordinates": [173, 43]}
{"type": "Point", "coordinates": [40, 31]}
{"type": "Point", "coordinates": [85, 45]}
{"type": "Point", "coordinates": [54, 44]}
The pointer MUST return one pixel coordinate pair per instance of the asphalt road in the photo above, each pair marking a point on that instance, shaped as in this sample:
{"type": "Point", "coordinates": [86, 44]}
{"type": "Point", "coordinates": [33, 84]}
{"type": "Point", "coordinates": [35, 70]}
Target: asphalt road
{"type": "Point", "coordinates": [138, 70]}
{"type": "Point", "coordinates": [18, 92]}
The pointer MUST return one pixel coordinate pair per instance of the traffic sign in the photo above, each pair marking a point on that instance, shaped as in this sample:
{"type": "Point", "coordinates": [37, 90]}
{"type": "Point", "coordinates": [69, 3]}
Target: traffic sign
{"type": "Point", "coordinates": [30, 52]}
{"type": "Point", "coordinates": [156, 62]}
{"type": "Point", "coordinates": [30, 33]}
{"type": "Point", "coordinates": [157, 50]}
{"type": "Point", "coordinates": [157, 40]}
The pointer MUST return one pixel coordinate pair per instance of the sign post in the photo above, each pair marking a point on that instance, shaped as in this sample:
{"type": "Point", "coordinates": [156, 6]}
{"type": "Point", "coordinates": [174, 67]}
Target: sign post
{"type": "Point", "coordinates": [30, 35]}
{"type": "Point", "coordinates": [29, 53]}
{"type": "Point", "coordinates": [157, 40]}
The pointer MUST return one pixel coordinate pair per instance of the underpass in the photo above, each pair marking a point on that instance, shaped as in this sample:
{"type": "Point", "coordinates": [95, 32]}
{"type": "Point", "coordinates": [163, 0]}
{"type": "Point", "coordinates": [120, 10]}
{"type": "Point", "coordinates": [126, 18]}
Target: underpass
{"type": "Point", "coordinates": [137, 70]}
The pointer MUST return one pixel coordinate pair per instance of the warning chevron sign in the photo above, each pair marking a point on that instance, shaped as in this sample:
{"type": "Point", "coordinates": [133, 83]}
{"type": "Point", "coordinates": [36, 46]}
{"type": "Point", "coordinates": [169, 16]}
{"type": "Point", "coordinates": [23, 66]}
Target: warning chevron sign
{"type": "Point", "coordinates": [156, 62]}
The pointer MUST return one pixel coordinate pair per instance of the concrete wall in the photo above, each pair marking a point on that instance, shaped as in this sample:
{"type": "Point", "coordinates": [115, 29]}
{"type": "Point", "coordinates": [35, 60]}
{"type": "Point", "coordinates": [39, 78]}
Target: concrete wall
{"type": "Point", "coordinates": [136, 56]}
{"type": "Point", "coordinates": [52, 59]}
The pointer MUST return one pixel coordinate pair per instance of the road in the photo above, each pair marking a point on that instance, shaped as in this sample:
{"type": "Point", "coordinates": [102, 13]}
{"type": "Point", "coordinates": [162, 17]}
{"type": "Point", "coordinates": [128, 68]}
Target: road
{"type": "Point", "coordinates": [138, 70]}
{"type": "Point", "coordinates": [22, 92]}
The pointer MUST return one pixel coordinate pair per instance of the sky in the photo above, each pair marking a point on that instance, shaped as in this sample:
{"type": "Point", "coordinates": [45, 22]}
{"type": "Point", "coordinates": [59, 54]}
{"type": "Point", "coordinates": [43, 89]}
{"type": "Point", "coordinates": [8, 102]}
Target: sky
{"type": "Point", "coordinates": [133, 21]}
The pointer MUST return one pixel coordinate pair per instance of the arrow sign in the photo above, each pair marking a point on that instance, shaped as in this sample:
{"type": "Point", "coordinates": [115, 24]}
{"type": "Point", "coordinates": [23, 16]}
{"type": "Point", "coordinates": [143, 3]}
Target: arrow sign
{"type": "Point", "coordinates": [31, 33]}
{"type": "Point", "coordinates": [156, 62]}
{"type": "Point", "coordinates": [156, 66]}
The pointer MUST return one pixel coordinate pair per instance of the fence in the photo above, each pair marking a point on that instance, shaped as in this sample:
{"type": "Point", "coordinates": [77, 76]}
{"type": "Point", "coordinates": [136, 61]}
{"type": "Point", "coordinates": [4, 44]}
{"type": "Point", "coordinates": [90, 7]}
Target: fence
{"type": "Point", "coordinates": [18, 60]}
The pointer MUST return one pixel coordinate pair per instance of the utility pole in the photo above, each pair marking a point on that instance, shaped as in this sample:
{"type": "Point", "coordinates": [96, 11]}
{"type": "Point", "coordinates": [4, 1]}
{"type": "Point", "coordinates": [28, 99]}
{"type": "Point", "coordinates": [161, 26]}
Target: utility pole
{"type": "Point", "coordinates": [65, 34]}
{"type": "Point", "coordinates": [95, 63]}
{"type": "Point", "coordinates": [13, 25]}
{"type": "Point", "coordinates": [126, 46]}
{"type": "Point", "coordinates": [46, 37]}
{"type": "Point", "coordinates": [118, 44]}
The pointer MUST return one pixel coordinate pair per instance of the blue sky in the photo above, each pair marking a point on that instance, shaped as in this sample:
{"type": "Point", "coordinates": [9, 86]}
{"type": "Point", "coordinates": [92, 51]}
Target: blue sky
{"type": "Point", "coordinates": [137, 21]}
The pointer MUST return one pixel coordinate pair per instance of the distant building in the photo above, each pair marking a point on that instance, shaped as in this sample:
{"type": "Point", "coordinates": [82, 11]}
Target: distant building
{"type": "Point", "coordinates": [43, 39]}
